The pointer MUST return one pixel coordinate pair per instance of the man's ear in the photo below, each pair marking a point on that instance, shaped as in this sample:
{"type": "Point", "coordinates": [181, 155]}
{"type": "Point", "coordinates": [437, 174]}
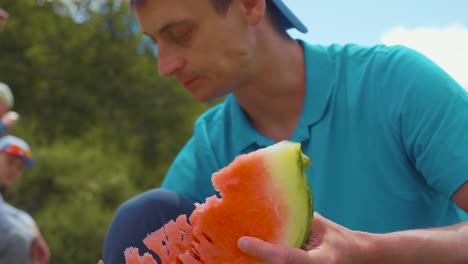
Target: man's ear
{"type": "Point", "coordinates": [254, 10]}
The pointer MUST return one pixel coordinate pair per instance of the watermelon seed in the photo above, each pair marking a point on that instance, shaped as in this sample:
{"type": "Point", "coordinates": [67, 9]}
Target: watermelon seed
{"type": "Point", "coordinates": [164, 246]}
{"type": "Point", "coordinates": [195, 251]}
{"type": "Point", "coordinates": [196, 256]}
{"type": "Point", "coordinates": [207, 238]}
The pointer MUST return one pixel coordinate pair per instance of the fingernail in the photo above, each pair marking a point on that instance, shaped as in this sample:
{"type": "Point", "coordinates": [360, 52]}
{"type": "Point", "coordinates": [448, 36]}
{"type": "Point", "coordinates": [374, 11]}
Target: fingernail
{"type": "Point", "coordinates": [242, 242]}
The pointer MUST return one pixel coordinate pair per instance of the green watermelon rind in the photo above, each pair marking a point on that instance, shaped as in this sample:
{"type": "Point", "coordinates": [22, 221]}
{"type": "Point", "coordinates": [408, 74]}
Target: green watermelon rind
{"type": "Point", "coordinates": [288, 165]}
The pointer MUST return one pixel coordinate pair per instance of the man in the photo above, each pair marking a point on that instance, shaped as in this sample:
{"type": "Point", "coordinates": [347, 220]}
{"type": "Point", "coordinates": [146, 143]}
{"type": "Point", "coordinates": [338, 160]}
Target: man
{"type": "Point", "coordinates": [21, 241]}
{"type": "Point", "coordinates": [385, 129]}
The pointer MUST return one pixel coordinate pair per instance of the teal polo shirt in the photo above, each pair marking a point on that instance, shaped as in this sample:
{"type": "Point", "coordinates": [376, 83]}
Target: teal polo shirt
{"type": "Point", "coordinates": [385, 128]}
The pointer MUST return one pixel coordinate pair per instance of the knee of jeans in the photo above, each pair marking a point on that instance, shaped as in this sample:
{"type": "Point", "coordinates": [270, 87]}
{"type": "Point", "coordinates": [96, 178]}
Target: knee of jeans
{"type": "Point", "coordinates": [155, 202]}
{"type": "Point", "coordinates": [139, 216]}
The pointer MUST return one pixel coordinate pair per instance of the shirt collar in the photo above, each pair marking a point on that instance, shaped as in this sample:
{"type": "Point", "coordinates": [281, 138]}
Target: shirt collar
{"type": "Point", "coordinates": [319, 85]}
{"type": "Point", "coordinates": [243, 133]}
{"type": "Point", "coordinates": [319, 82]}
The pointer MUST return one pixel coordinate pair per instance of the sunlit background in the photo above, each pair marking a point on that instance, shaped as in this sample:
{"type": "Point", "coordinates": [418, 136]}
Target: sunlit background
{"type": "Point", "coordinates": [438, 29]}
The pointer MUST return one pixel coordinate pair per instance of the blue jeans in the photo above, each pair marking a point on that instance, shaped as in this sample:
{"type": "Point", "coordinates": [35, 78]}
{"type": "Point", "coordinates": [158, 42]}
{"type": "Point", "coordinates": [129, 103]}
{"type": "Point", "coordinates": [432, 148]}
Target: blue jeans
{"type": "Point", "coordinates": [138, 217]}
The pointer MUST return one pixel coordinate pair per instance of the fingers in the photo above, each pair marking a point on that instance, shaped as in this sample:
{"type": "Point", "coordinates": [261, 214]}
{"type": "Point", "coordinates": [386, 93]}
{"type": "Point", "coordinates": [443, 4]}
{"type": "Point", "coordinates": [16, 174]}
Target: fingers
{"type": "Point", "coordinates": [270, 253]}
{"type": "Point", "coordinates": [257, 248]}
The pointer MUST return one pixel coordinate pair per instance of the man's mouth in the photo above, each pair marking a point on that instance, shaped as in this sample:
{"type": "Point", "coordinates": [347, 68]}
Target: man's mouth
{"type": "Point", "coordinates": [187, 83]}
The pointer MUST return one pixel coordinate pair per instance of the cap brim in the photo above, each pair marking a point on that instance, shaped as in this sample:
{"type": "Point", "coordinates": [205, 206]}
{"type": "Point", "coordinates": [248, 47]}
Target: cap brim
{"type": "Point", "coordinates": [287, 18]}
{"type": "Point", "coordinates": [29, 162]}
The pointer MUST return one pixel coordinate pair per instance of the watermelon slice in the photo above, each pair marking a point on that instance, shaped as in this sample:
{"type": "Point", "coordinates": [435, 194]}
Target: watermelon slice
{"type": "Point", "coordinates": [264, 194]}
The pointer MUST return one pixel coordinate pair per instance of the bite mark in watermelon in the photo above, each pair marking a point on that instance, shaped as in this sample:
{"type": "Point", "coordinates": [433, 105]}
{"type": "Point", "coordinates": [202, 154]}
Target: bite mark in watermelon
{"type": "Point", "coordinates": [264, 194]}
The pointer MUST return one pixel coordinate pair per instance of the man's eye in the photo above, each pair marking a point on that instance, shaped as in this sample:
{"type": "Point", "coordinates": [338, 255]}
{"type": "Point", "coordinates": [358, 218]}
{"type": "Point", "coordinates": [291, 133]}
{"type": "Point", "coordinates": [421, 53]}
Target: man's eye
{"type": "Point", "coordinates": [181, 36]}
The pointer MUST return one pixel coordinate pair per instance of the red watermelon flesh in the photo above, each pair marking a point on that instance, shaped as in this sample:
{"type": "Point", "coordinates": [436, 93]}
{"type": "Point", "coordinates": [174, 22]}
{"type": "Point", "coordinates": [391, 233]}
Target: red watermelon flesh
{"type": "Point", "coordinates": [132, 256]}
{"type": "Point", "coordinates": [264, 194]}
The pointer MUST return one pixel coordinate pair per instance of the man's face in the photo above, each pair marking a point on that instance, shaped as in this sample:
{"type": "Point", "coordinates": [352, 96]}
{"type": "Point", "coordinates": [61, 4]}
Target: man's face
{"type": "Point", "coordinates": [3, 19]}
{"type": "Point", "coordinates": [208, 53]}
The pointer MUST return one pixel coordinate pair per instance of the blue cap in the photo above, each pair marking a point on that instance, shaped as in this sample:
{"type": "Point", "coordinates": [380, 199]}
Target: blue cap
{"type": "Point", "coordinates": [287, 18]}
{"type": "Point", "coordinates": [12, 145]}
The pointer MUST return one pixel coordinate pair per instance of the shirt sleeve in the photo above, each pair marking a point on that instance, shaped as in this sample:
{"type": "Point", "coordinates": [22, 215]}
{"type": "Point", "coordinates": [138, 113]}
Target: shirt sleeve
{"type": "Point", "coordinates": [27, 218]}
{"type": "Point", "coordinates": [433, 120]}
{"type": "Point", "coordinates": [190, 173]}
{"type": "Point", "coordinates": [16, 247]}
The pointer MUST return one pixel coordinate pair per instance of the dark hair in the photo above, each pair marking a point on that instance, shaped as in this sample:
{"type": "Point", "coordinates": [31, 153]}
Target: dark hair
{"type": "Point", "coordinates": [221, 7]}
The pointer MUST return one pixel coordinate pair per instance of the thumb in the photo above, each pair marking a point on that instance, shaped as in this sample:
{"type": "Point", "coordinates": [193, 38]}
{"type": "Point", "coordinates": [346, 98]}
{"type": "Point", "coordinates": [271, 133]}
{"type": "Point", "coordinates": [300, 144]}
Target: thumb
{"type": "Point", "coordinates": [257, 248]}
{"type": "Point", "coordinates": [271, 253]}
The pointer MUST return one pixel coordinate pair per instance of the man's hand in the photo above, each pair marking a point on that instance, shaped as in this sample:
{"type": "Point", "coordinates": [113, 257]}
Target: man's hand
{"type": "Point", "coordinates": [327, 243]}
{"type": "Point", "coordinates": [331, 243]}
{"type": "Point", "coordinates": [39, 250]}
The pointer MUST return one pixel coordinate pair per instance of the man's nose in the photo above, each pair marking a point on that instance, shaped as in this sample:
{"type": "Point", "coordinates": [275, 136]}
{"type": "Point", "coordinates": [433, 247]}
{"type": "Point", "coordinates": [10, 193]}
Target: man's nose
{"type": "Point", "coordinates": [168, 62]}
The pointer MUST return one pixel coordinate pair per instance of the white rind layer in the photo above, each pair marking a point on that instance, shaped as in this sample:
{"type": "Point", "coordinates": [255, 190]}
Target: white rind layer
{"type": "Point", "coordinates": [287, 165]}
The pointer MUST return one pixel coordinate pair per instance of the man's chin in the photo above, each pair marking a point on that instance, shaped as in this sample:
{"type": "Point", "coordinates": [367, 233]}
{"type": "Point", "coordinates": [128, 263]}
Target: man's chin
{"type": "Point", "coordinates": [202, 99]}
{"type": "Point", "coordinates": [207, 98]}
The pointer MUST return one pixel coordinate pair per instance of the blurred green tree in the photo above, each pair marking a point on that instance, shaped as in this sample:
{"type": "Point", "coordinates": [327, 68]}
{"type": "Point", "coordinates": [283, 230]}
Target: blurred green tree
{"type": "Point", "coordinates": [102, 125]}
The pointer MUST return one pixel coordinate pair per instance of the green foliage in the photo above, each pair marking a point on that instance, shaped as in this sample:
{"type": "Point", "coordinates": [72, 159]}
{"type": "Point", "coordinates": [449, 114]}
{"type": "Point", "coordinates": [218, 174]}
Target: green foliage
{"type": "Point", "coordinates": [72, 192]}
{"type": "Point", "coordinates": [74, 232]}
{"type": "Point", "coordinates": [102, 125]}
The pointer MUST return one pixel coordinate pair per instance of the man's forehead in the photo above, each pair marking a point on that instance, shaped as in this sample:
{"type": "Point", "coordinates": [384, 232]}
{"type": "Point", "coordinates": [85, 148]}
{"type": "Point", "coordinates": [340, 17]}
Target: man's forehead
{"type": "Point", "coordinates": [157, 15]}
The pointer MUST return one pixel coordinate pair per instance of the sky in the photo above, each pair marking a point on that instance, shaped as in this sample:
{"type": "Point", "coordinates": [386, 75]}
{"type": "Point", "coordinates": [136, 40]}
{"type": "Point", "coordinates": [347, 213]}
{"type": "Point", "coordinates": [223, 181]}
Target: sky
{"type": "Point", "coordinates": [438, 29]}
